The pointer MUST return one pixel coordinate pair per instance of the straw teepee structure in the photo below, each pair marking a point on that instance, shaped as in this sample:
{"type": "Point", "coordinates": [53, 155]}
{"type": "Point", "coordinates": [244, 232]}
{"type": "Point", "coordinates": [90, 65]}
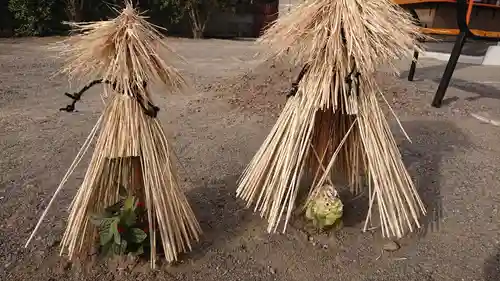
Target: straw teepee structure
{"type": "Point", "coordinates": [333, 127]}
{"type": "Point", "coordinates": [132, 151]}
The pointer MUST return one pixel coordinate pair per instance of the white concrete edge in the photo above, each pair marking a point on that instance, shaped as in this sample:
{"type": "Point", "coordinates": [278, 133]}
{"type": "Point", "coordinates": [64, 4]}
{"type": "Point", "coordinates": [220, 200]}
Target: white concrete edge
{"type": "Point", "coordinates": [491, 57]}
{"type": "Point", "coordinates": [462, 59]}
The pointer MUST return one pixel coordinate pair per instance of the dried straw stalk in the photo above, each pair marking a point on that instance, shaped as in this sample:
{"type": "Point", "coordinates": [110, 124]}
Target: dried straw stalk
{"type": "Point", "coordinates": [330, 128]}
{"type": "Point", "coordinates": [125, 51]}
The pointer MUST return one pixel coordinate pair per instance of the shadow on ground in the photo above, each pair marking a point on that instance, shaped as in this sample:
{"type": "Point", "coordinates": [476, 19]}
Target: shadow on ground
{"type": "Point", "coordinates": [435, 73]}
{"type": "Point", "coordinates": [433, 142]}
{"type": "Point", "coordinates": [480, 89]}
{"type": "Point", "coordinates": [357, 206]}
{"type": "Point", "coordinates": [220, 213]}
{"type": "Point", "coordinates": [430, 72]}
{"type": "Point", "coordinates": [492, 267]}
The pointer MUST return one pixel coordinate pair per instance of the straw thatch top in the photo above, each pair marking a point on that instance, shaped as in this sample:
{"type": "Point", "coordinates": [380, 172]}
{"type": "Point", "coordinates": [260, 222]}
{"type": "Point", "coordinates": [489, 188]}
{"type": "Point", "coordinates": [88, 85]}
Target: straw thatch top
{"type": "Point", "coordinates": [337, 38]}
{"type": "Point", "coordinates": [125, 50]}
{"type": "Point", "coordinates": [371, 32]}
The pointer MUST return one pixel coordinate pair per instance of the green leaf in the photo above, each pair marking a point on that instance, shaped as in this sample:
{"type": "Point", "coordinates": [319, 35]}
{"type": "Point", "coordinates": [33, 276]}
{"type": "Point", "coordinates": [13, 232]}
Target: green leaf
{"type": "Point", "coordinates": [332, 217]}
{"type": "Point", "coordinates": [120, 249]}
{"type": "Point", "coordinates": [106, 224]}
{"type": "Point", "coordinates": [95, 219]}
{"type": "Point", "coordinates": [104, 228]}
{"type": "Point", "coordinates": [105, 237]}
{"type": "Point", "coordinates": [328, 221]}
{"type": "Point", "coordinates": [129, 203]}
{"type": "Point", "coordinates": [137, 235]}
{"type": "Point", "coordinates": [139, 251]}
{"type": "Point", "coordinates": [123, 247]}
{"type": "Point", "coordinates": [116, 249]}
{"type": "Point", "coordinates": [115, 208]}
{"type": "Point", "coordinates": [128, 217]}
{"type": "Point", "coordinates": [106, 250]}
{"type": "Point", "coordinates": [116, 234]}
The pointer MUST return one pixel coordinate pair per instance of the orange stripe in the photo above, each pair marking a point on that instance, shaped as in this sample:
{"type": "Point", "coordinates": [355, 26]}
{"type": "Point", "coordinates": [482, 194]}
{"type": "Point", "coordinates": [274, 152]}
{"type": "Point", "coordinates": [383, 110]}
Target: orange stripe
{"type": "Point", "coordinates": [450, 31]}
{"type": "Point", "coordinates": [469, 11]}
{"type": "Point", "coordinates": [410, 2]}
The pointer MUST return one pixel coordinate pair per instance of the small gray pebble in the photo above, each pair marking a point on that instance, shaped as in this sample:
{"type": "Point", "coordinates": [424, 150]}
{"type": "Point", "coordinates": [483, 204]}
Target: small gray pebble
{"type": "Point", "coordinates": [391, 246]}
{"type": "Point", "coordinates": [272, 270]}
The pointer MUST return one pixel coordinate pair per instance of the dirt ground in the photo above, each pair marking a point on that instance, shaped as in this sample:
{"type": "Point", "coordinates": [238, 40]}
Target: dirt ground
{"type": "Point", "coordinates": [216, 127]}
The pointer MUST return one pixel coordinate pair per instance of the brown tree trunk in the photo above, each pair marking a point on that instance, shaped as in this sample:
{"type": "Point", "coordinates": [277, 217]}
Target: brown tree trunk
{"type": "Point", "coordinates": [197, 33]}
{"type": "Point", "coordinates": [198, 22]}
{"type": "Point", "coordinates": [74, 10]}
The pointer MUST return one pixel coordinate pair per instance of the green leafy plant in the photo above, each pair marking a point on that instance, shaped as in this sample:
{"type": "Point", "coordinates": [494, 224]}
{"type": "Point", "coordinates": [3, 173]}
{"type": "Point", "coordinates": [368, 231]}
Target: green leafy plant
{"type": "Point", "coordinates": [122, 228]}
{"type": "Point", "coordinates": [199, 12]}
{"type": "Point", "coordinates": [37, 17]}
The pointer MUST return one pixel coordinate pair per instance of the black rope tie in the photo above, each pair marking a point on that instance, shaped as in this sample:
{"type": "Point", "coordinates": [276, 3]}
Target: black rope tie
{"type": "Point", "coordinates": [295, 85]}
{"type": "Point", "coordinates": [78, 95]}
{"type": "Point", "coordinates": [349, 80]}
{"type": "Point", "coordinates": [354, 71]}
{"type": "Point", "coordinates": [150, 110]}
{"type": "Point", "coordinates": [352, 78]}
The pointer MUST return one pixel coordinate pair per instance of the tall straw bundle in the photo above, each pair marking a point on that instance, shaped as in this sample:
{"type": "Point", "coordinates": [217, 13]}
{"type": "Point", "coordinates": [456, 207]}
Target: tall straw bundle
{"type": "Point", "coordinates": [333, 126]}
{"type": "Point", "coordinates": [132, 150]}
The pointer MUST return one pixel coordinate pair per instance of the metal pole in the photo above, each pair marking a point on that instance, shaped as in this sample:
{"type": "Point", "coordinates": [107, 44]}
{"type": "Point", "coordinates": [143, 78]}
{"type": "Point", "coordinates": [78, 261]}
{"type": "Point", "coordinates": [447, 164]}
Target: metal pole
{"type": "Point", "coordinates": [450, 68]}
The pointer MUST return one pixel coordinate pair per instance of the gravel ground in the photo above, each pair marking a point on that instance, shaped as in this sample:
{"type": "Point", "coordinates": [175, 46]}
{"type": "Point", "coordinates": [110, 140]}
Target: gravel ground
{"type": "Point", "coordinates": [216, 127]}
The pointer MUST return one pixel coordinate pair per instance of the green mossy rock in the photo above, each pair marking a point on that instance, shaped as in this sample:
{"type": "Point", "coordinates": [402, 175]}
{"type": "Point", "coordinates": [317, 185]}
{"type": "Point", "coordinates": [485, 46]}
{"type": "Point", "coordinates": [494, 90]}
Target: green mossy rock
{"type": "Point", "coordinates": [326, 208]}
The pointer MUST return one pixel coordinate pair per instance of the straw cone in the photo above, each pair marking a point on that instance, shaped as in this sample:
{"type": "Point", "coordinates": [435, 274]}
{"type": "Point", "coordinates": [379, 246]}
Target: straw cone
{"type": "Point", "coordinates": [334, 127]}
{"type": "Point", "coordinates": [131, 149]}
{"type": "Point", "coordinates": [126, 50]}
